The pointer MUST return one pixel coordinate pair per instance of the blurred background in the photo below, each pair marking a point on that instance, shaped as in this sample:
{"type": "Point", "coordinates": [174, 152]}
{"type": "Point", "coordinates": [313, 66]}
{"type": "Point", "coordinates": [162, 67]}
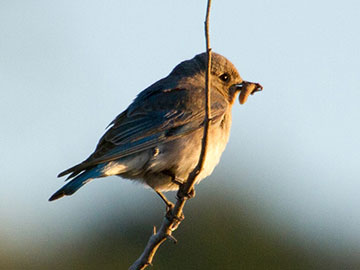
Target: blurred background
{"type": "Point", "coordinates": [286, 192]}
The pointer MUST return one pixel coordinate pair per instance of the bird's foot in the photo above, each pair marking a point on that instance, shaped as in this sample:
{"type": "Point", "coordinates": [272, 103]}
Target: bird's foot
{"type": "Point", "coordinates": [184, 193]}
{"type": "Point", "coordinates": [169, 204]}
{"type": "Point", "coordinates": [170, 216]}
{"type": "Point", "coordinates": [170, 211]}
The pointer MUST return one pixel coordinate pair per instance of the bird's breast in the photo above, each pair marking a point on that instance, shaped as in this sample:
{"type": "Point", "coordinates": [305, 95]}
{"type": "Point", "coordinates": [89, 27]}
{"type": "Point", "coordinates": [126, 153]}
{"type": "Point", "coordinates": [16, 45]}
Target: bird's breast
{"type": "Point", "coordinates": [182, 155]}
{"type": "Point", "coordinates": [217, 140]}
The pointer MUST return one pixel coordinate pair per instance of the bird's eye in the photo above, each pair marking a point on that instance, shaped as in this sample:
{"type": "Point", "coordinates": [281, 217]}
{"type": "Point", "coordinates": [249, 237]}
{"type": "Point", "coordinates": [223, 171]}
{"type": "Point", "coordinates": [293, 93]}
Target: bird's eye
{"type": "Point", "coordinates": [225, 77]}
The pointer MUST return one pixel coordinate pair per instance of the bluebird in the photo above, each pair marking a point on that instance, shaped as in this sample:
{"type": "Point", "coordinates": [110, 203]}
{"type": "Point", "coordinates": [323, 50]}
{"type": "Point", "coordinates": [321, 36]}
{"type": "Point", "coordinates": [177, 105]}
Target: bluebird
{"type": "Point", "coordinates": [157, 139]}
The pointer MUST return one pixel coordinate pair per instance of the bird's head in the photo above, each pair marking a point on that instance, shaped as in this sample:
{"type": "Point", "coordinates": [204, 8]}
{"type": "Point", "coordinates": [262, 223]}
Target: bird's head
{"type": "Point", "coordinates": [224, 76]}
{"type": "Point", "coordinates": [226, 79]}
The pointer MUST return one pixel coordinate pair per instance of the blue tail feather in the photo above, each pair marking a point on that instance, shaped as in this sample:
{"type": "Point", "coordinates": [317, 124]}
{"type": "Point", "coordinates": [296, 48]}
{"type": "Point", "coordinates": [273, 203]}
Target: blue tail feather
{"type": "Point", "coordinates": [76, 183]}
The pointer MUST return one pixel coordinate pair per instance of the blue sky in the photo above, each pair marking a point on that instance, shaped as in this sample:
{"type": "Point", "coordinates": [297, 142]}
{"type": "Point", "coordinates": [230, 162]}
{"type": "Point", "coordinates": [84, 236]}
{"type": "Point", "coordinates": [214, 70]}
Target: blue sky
{"type": "Point", "coordinates": [67, 68]}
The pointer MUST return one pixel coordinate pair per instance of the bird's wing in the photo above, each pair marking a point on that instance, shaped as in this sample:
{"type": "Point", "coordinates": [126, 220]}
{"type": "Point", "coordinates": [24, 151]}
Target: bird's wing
{"type": "Point", "coordinates": [160, 116]}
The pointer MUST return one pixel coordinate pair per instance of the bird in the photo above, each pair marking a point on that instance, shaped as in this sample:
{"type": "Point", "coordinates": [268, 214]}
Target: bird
{"type": "Point", "coordinates": [157, 140]}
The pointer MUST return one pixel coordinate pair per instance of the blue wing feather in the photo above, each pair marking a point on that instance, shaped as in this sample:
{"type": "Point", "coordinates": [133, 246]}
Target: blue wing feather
{"type": "Point", "coordinates": [164, 116]}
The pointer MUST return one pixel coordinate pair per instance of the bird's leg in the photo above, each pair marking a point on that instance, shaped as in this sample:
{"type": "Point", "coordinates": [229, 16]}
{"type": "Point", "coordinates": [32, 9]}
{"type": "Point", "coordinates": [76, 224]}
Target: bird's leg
{"type": "Point", "coordinates": [174, 179]}
{"type": "Point", "coordinates": [169, 204]}
{"type": "Point", "coordinates": [180, 183]}
{"type": "Point", "coordinates": [169, 208]}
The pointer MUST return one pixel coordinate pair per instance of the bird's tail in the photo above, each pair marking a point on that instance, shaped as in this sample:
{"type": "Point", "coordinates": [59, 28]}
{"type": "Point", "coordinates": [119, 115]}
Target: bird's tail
{"type": "Point", "coordinates": [76, 183]}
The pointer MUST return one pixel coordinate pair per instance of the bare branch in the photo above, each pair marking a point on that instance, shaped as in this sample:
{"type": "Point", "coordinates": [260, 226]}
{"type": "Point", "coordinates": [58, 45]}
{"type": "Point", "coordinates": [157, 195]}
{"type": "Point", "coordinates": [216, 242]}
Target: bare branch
{"type": "Point", "coordinates": [189, 184]}
{"type": "Point", "coordinates": [172, 221]}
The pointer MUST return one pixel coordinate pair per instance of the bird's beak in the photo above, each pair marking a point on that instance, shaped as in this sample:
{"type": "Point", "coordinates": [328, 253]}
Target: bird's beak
{"type": "Point", "coordinates": [246, 89]}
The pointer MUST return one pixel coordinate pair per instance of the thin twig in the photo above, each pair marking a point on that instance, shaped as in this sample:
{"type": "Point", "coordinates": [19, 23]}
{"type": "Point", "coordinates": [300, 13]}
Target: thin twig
{"type": "Point", "coordinates": [170, 223]}
{"type": "Point", "coordinates": [189, 184]}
